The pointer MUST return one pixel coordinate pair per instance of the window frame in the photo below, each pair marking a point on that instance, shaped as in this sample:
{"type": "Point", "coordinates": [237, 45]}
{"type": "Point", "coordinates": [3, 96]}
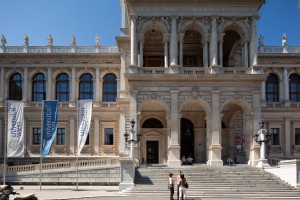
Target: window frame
{"type": "Point", "coordinates": [36, 135]}
{"type": "Point", "coordinates": [58, 136]}
{"type": "Point", "coordinates": [109, 135]}
{"type": "Point", "coordinates": [272, 96]}
{"type": "Point", "coordinates": [271, 142]}
{"type": "Point", "coordinates": [62, 95]}
{"type": "Point", "coordinates": [110, 88]}
{"type": "Point", "coordinates": [35, 83]}
{"type": "Point", "coordinates": [13, 93]}
{"type": "Point", "coordinates": [86, 83]}
{"type": "Point", "coordinates": [295, 82]}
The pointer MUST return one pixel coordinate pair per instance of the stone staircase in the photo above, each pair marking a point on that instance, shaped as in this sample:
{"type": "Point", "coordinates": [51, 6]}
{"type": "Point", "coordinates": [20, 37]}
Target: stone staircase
{"type": "Point", "coordinates": [241, 181]}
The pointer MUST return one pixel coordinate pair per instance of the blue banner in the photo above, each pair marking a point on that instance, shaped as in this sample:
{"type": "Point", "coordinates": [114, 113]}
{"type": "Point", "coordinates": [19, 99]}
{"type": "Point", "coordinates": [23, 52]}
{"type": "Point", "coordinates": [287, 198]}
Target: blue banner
{"type": "Point", "coordinates": [50, 126]}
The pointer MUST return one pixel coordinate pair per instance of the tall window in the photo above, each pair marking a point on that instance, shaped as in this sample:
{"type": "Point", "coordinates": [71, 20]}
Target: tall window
{"type": "Point", "coordinates": [61, 136]}
{"type": "Point", "coordinates": [274, 133]}
{"type": "Point", "coordinates": [38, 87]}
{"type": "Point", "coordinates": [86, 87]}
{"type": "Point", "coordinates": [87, 141]}
{"type": "Point", "coordinates": [36, 136]}
{"type": "Point", "coordinates": [109, 88]}
{"type": "Point", "coordinates": [62, 87]}
{"type": "Point", "coordinates": [272, 88]}
{"type": "Point", "coordinates": [294, 88]}
{"type": "Point", "coordinates": [297, 136]}
{"type": "Point", "coordinates": [15, 87]}
{"type": "Point", "coordinates": [109, 136]}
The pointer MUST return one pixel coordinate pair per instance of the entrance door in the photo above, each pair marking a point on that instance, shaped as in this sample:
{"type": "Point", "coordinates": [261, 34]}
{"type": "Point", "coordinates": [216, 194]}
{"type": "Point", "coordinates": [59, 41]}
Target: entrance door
{"type": "Point", "coordinates": [187, 138]}
{"type": "Point", "coordinates": [152, 152]}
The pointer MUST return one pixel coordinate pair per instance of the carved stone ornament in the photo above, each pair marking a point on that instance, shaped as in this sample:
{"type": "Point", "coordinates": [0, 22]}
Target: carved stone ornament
{"type": "Point", "coordinates": [195, 92]}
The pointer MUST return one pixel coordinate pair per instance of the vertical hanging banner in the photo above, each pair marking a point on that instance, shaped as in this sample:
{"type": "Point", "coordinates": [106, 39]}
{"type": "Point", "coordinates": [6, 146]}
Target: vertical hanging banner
{"type": "Point", "coordinates": [50, 110]}
{"type": "Point", "coordinates": [84, 121]}
{"type": "Point", "coordinates": [15, 129]}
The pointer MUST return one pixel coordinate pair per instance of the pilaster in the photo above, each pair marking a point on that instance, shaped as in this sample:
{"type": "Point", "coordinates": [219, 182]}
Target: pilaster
{"type": "Point", "coordinates": [174, 44]}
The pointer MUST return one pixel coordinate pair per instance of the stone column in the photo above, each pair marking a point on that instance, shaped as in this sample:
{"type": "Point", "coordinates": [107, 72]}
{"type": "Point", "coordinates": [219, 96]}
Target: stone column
{"type": "Point", "coordinates": [122, 131]}
{"type": "Point", "coordinates": [2, 81]}
{"type": "Point", "coordinates": [2, 139]}
{"type": "Point", "coordinates": [215, 148]}
{"type": "Point", "coordinates": [214, 43]}
{"type": "Point", "coordinates": [73, 85]}
{"type": "Point", "coordinates": [96, 134]}
{"type": "Point", "coordinates": [181, 36]}
{"type": "Point", "coordinates": [285, 87]}
{"type": "Point", "coordinates": [122, 78]}
{"type": "Point", "coordinates": [49, 84]}
{"type": "Point", "coordinates": [221, 36]}
{"type": "Point", "coordinates": [205, 50]}
{"type": "Point", "coordinates": [97, 84]}
{"type": "Point", "coordinates": [245, 50]}
{"type": "Point", "coordinates": [174, 149]}
{"type": "Point", "coordinates": [141, 56]}
{"type": "Point", "coordinates": [133, 38]}
{"type": "Point", "coordinates": [133, 116]}
{"type": "Point", "coordinates": [25, 85]}
{"type": "Point", "coordinates": [166, 50]}
{"type": "Point", "coordinates": [253, 46]}
{"type": "Point", "coordinates": [254, 147]}
{"type": "Point", "coordinates": [287, 125]}
{"type": "Point", "coordinates": [174, 44]}
{"type": "Point", "coordinates": [208, 137]}
{"type": "Point", "coordinates": [73, 129]}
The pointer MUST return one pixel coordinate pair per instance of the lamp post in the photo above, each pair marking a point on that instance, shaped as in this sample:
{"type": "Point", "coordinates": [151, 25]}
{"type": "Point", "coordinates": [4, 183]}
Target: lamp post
{"type": "Point", "coordinates": [132, 141]}
{"type": "Point", "coordinates": [262, 137]}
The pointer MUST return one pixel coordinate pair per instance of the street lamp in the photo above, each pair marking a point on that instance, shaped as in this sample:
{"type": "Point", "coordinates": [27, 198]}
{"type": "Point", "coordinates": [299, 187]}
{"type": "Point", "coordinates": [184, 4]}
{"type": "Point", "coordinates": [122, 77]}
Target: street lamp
{"type": "Point", "coordinates": [132, 141]}
{"type": "Point", "coordinates": [262, 137]}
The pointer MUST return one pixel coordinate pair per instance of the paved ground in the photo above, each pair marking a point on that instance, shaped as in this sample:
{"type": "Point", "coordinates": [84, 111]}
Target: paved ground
{"type": "Point", "coordinates": [95, 193]}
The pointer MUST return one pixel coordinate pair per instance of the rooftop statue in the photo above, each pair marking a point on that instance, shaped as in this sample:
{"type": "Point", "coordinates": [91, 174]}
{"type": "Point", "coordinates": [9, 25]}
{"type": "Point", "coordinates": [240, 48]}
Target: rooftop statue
{"type": "Point", "coordinates": [50, 40]}
{"type": "Point", "coordinates": [97, 40]}
{"type": "Point", "coordinates": [284, 39]}
{"type": "Point", "coordinates": [261, 40]}
{"type": "Point", "coordinates": [3, 40]}
{"type": "Point", "coordinates": [73, 40]}
{"type": "Point", "coordinates": [26, 40]}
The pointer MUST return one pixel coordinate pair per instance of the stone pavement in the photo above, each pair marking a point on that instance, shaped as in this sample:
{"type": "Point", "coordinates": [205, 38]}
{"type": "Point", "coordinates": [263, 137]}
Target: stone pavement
{"type": "Point", "coordinates": [95, 193]}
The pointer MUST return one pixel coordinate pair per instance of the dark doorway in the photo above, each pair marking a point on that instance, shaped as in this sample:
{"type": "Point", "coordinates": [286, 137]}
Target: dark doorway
{"type": "Point", "coordinates": [152, 152]}
{"type": "Point", "coordinates": [187, 138]}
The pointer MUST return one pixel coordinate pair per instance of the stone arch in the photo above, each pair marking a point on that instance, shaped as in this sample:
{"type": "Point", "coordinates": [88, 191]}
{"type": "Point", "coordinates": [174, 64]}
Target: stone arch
{"type": "Point", "coordinates": [198, 101]}
{"type": "Point", "coordinates": [151, 24]}
{"type": "Point", "coordinates": [200, 27]}
{"type": "Point", "coordinates": [240, 102]}
{"type": "Point", "coordinates": [159, 118]}
{"type": "Point", "coordinates": [81, 72]}
{"type": "Point", "coordinates": [61, 71]}
{"type": "Point", "coordinates": [237, 26]}
{"type": "Point", "coordinates": [162, 103]}
{"type": "Point", "coordinates": [104, 73]}
{"type": "Point", "coordinates": [34, 72]}
{"type": "Point", "coordinates": [11, 72]}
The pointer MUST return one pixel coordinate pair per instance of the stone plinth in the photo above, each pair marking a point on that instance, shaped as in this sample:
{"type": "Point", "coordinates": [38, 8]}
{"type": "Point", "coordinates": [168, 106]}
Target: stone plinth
{"type": "Point", "coordinates": [127, 173]}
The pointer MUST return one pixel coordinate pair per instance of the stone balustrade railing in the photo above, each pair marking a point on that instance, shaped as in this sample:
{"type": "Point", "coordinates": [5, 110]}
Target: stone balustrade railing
{"type": "Point", "coordinates": [59, 49]}
{"type": "Point", "coordinates": [111, 161]}
{"type": "Point", "coordinates": [278, 49]}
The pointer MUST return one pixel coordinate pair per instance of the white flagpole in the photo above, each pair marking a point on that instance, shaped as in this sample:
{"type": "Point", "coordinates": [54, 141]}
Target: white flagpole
{"type": "Point", "coordinates": [77, 148]}
{"type": "Point", "coordinates": [41, 143]}
{"type": "Point", "coordinates": [5, 144]}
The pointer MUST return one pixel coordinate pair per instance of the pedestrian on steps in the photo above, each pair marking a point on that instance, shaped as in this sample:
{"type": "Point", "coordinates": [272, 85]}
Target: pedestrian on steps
{"type": "Point", "coordinates": [178, 180]}
{"type": "Point", "coordinates": [182, 188]}
{"type": "Point", "coordinates": [171, 186]}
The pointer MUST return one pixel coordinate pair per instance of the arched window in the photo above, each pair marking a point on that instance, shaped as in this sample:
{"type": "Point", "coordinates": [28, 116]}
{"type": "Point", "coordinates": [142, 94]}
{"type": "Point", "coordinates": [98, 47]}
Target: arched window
{"type": "Point", "coordinates": [109, 88]}
{"type": "Point", "coordinates": [152, 123]}
{"type": "Point", "coordinates": [62, 87]}
{"type": "Point", "coordinates": [15, 87]}
{"type": "Point", "coordinates": [272, 88]}
{"type": "Point", "coordinates": [38, 87]}
{"type": "Point", "coordinates": [86, 87]}
{"type": "Point", "coordinates": [294, 88]}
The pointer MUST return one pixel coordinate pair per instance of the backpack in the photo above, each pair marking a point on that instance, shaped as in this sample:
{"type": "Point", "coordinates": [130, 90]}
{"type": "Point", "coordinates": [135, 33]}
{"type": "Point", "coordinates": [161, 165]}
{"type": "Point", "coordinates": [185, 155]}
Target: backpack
{"type": "Point", "coordinates": [186, 185]}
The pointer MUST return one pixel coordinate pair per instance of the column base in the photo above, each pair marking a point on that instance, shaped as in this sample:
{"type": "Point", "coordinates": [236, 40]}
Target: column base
{"type": "Point", "coordinates": [215, 156]}
{"type": "Point", "coordinates": [174, 156]}
{"type": "Point", "coordinates": [287, 104]}
{"type": "Point", "coordinates": [127, 173]}
{"type": "Point", "coordinates": [174, 69]}
{"type": "Point", "coordinates": [263, 163]}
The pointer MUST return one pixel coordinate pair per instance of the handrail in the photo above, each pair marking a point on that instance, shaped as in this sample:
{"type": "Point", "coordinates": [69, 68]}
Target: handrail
{"type": "Point", "coordinates": [110, 161]}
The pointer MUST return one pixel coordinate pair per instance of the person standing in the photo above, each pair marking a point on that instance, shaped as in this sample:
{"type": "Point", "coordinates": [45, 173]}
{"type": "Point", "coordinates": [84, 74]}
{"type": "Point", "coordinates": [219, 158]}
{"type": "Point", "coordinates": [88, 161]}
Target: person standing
{"type": "Point", "coordinates": [171, 186]}
{"type": "Point", "coordinates": [182, 188]}
{"type": "Point", "coordinates": [178, 180]}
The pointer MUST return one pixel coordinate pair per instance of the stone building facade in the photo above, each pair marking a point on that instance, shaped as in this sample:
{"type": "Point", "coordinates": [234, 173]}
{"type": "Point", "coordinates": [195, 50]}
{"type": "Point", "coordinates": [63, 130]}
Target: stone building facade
{"type": "Point", "coordinates": [189, 73]}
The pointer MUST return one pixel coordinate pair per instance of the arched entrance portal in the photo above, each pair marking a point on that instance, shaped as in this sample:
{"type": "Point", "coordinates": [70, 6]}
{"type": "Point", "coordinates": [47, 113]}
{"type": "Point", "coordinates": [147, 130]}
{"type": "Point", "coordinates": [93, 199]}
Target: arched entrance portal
{"type": "Point", "coordinates": [187, 138]}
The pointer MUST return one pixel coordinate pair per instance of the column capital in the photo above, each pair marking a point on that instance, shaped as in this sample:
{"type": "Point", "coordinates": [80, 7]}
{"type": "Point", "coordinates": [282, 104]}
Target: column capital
{"type": "Point", "coordinates": [215, 91]}
{"type": "Point", "coordinates": [141, 37]}
{"type": "Point", "coordinates": [166, 37]}
{"type": "Point", "coordinates": [174, 91]}
{"type": "Point", "coordinates": [221, 37]}
{"type": "Point", "coordinates": [208, 117]}
{"type": "Point", "coordinates": [180, 37]}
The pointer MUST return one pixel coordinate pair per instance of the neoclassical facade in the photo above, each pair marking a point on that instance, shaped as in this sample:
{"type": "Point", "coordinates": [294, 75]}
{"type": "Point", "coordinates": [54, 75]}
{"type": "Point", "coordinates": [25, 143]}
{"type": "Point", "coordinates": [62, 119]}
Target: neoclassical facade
{"type": "Point", "coordinates": [189, 73]}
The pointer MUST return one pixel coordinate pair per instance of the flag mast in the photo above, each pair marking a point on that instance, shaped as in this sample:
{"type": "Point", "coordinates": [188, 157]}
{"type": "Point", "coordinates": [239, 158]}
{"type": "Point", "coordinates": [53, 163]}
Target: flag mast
{"type": "Point", "coordinates": [41, 144]}
{"type": "Point", "coordinates": [5, 144]}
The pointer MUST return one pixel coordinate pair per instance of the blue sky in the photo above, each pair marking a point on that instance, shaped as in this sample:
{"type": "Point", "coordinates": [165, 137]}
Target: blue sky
{"type": "Point", "coordinates": [87, 18]}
